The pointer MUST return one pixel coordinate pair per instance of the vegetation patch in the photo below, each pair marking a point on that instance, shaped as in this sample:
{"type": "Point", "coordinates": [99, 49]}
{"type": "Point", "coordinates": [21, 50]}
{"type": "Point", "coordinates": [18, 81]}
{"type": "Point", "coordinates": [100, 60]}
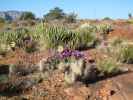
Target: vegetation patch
{"type": "Point", "coordinates": [108, 66]}
{"type": "Point", "coordinates": [127, 54]}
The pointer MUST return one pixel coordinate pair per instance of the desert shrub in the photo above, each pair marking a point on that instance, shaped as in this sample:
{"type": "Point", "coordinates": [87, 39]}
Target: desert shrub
{"type": "Point", "coordinates": [46, 36]}
{"type": "Point", "coordinates": [108, 66]}
{"type": "Point", "coordinates": [101, 28]}
{"type": "Point", "coordinates": [117, 42]}
{"type": "Point", "coordinates": [89, 27]}
{"type": "Point", "coordinates": [86, 37]}
{"type": "Point", "coordinates": [55, 36]}
{"type": "Point", "coordinates": [27, 16]}
{"type": "Point", "coordinates": [104, 29]}
{"type": "Point", "coordinates": [2, 20]}
{"type": "Point", "coordinates": [20, 37]}
{"type": "Point", "coordinates": [4, 49]}
{"type": "Point", "coordinates": [49, 36]}
{"type": "Point", "coordinates": [13, 36]}
{"type": "Point", "coordinates": [121, 50]}
{"type": "Point", "coordinates": [127, 54]}
{"type": "Point", "coordinates": [58, 15]}
{"type": "Point", "coordinates": [53, 14]}
{"type": "Point", "coordinates": [111, 48]}
{"type": "Point", "coordinates": [130, 21]}
{"type": "Point", "coordinates": [21, 69]}
{"type": "Point", "coordinates": [106, 18]}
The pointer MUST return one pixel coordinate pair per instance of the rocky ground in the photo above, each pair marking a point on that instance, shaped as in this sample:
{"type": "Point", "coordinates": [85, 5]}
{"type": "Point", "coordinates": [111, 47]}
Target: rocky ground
{"type": "Point", "coordinates": [54, 88]}
{"type": "Point", "coordinates": [36, 86]}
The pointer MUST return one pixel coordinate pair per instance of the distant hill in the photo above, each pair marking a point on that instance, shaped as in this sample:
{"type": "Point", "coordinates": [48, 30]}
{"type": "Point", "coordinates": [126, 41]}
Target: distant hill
{"type": "Point", "coordinates": [11, 15]}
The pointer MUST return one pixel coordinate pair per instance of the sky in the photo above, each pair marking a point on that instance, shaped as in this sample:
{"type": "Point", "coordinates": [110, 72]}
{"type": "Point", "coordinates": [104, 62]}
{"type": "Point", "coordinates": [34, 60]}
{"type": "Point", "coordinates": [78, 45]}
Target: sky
{"type": "Point", "coordinates": [91, 9]}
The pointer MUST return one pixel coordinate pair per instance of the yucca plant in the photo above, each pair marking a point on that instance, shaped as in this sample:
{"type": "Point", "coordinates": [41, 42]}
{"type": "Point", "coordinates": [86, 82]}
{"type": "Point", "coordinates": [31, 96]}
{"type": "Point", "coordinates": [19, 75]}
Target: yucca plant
{"type": "Point", "coordinates": [48, 36]}
{"type": "Point", "coordinates": [13, 36]}
{"type": "Point", "coordinates": [26, 38]}
{"type": "Point", "coordinates": [55, 36]}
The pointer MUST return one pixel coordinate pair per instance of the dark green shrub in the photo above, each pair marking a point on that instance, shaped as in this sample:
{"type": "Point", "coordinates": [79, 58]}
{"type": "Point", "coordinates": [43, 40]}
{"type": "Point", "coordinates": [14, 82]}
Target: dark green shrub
{"type": "Point", "coordinates": [53, 14]}
{"type": "Point", "coordinates": [27, 16]}
{"type": "Point", "coordinates": [107, 18]}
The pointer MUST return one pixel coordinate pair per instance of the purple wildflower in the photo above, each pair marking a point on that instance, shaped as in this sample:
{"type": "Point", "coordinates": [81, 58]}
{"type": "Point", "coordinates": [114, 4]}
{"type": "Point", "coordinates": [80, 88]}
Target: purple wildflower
{"type": "Point", "coordinates": [77, 54]}
{"type": "Point", "coordinates": [68, 53]}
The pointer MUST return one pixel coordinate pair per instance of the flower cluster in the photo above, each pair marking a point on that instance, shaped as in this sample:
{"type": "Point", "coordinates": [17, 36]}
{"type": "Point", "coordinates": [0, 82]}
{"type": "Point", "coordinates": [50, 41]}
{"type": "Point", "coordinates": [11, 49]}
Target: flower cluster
{"type": "Point", "coordinates": [70, 53]}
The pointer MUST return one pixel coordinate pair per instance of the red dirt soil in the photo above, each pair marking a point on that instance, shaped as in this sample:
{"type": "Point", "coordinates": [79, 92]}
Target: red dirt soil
{"type": "Point", "coordinates": [122, 31]}
{"type": "Point", "coordinates": [23, 57]}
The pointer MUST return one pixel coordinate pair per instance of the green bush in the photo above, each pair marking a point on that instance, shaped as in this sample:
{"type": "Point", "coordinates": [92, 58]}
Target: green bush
{"type": "Point", "coordinates": [130, 21]}
{"type": "Point", "coordinates": [108, 66]}
{"type": "Point", "coordinates": [20, 37]}
{"type": "Point", "coordinates": [55, 36]}
{"type": "Point", "coordinates": [27, 16]}
{"type": "Point", "coordinates": [117, 42]}
{"type": "Point", "coordinates": [104, 29]}
{"type": "Point", "coordinates": [89, 27]}
{"type": "Point", "coordinates": [53, 14]}
{"type": "Point", "coordinates": [2, 20]}
{"type": "Point", "coordinates": [107, 18]}
{"type": "Point", "coordinates": [127, 54]}
{"type": "Point", "coordinates": [13, 36]}
{"type": "Point", "coordinates": [4, 49]}
{"type": "Point", "coordinates": [86, 37]}
{"type": "Point", "coordinates": [48, 36]}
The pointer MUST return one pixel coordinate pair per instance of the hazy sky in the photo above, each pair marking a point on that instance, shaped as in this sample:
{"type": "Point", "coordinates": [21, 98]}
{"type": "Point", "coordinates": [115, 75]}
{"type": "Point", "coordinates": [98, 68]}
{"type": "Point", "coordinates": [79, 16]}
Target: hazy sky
{"type": "Point", "coordinates": [84, 8]}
